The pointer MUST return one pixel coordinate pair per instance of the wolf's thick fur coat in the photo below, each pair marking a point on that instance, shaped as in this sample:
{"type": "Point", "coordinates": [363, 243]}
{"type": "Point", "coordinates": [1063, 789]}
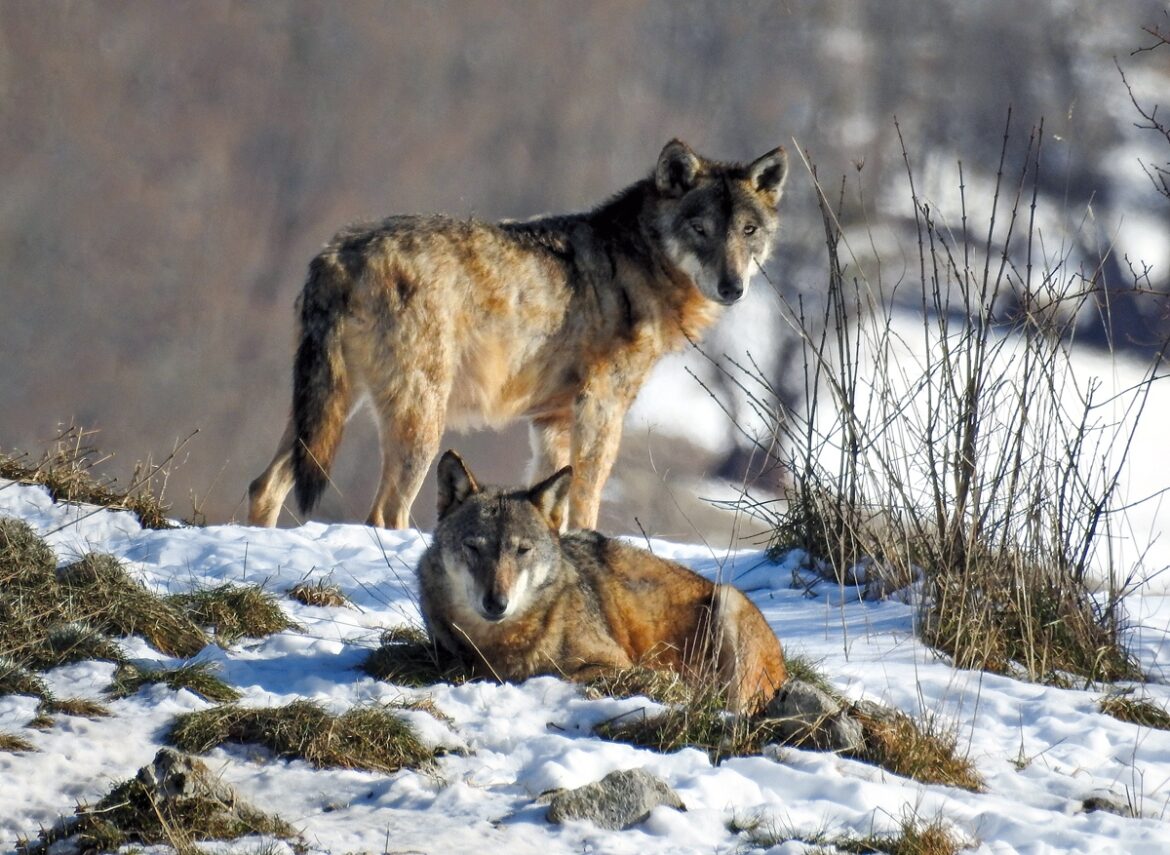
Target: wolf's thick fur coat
{"type": "Point", "coordinates": [441, 323]}
{"type": "Point", "coordinates": [503, 589]}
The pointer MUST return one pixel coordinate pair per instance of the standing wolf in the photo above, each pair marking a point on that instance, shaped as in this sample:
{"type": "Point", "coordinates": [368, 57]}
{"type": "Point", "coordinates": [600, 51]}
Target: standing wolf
{"type": "Point", "coordinates": [457, 323]}
{"type": "Point", "coordinates": [501, 588]}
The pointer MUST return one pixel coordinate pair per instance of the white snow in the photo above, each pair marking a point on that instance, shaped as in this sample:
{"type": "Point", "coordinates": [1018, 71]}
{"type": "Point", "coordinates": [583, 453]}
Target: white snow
{"type": "Point", "coordinates": [1041, 750]}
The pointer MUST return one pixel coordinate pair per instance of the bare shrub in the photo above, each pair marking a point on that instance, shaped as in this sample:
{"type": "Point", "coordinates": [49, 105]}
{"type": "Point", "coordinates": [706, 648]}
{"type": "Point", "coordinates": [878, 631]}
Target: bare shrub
{"type": "Point", "coordinates": [969, 448]}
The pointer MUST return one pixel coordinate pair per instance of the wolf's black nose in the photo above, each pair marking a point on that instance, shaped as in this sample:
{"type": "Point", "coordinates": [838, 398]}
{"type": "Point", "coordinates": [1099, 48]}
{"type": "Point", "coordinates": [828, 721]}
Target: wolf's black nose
{"type": "Point", "coordinates": [494, 606]}
{"type": "Point", "coordinates": [730, 290]}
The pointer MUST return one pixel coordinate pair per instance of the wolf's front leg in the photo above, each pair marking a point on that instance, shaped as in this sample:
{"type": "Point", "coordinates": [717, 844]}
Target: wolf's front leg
{"type": "Point", "coordinates": [597, 434]}
{"type": "Point", "coordinates": [551, 438]}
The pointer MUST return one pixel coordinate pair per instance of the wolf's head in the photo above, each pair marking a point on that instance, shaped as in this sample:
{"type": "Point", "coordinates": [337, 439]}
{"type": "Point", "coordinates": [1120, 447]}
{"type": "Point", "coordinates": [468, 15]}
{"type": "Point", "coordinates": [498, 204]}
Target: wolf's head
{"type": "Point", "coordinates": [502, 544]}
{"type": "Point", "coordinates": [718, 220]}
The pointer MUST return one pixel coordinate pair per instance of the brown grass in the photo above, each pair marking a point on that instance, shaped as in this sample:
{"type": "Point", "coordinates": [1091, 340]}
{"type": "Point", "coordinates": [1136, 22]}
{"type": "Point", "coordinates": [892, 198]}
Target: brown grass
{"type": "Point", "coordinates": [1140, 711]}
{"type": "Point", "coordinates": [82, 707]}
{"type": "Point", "coordinates": [696, 717]}
{"type": "Point", "coordinates": [663, 686]}
{"type": "Point", "coordinates": [407, 657]}
{"type": "Point", "coordinates": [50, 618]}
{"type": "Point", "coordinates": [197, 678]}
{"type": "Point", "coordinates": [370, 738]}
{"type": "Point", "coordinates": [1005, 614]}
{"type": "Point", "coordinates": [132, 815]}
{"type": "Point", "coordinates": [11, 743]}
{"type": "Point", "coordinates": [16, 679]}
{"type": "Point", "coordinates": [100, 585]}
{"type": "Point", "coordinates": [74, 642]}
{"type": "Point", "coordinates": [919, 750]}
{"type": "Point", "coordinates": [320, 593]}
{"type": "Point", "coordinates": [67, 471]}
{"type": "Point", "coordinates": [913, 837]}
{"type": "Point", "coordinates": [234, 611]}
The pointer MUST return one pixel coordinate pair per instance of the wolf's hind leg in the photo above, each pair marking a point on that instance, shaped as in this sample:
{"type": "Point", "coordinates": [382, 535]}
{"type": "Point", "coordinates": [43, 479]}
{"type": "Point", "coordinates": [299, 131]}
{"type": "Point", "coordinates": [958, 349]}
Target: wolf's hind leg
{"type": "Point", "coordinates": [267, 493]}
{"type": "Point", "coordinates": [410, 435]}
{"type": "Point", "coordinates": [747, 657]}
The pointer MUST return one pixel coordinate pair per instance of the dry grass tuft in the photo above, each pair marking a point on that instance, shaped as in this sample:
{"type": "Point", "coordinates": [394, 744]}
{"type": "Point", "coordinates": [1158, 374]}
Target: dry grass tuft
{"type": "Point", "coordinates": [918, 838]}
{"type": "Point", "coordinates": [663, 686]}
{"type": "Point", "coordinates": [705, 726]}
{"type": "Point", "coordinates": [50, 618]}
{"type": "Point", "coordinates": [16, 679]}
{"type": "Point", "coordinates": [74, 642]}
{"type": "Point", "coordinates": [234, 611]}
{"type": "Point", "coordinates": [407, 657]}
{"type": "Point", "coordinates": [370, 738]}
{"type": "Point", "coordinates": [913, 837]}
{"type": "Point", "coordinates": [83, 707]}
{"type": "Point", "coordinates": [320, 593]}
{"type": "Point", "coordinates": [1140, 711]}
{"type": "Point", "coordinates": [135, 814]}
{"type": "Point", "coordinates": [23, 553]}
{"type": "Point", "coordinates": [122, 606]}
{"type": "Point", "coordinates": [196, 677]}
{"type": "Point", "coordinates": [1004, 614]}
{"type": "Point", "coordinates": [66, 470]}
{"type": "Point", "coordinates": [28, 588]}
{"type": "Point", "coordinates": [12, 744]}
{"type": "Point", "coordinates": [918, 750]}
{"type": "Point", "coordinates": [695, 716]}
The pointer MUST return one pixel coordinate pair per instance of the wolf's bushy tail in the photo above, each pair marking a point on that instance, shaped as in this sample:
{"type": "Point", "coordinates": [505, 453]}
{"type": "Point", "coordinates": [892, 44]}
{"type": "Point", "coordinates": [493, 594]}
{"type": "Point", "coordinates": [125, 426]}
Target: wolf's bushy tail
{"type": "Point", "coordinates": [321, 387]}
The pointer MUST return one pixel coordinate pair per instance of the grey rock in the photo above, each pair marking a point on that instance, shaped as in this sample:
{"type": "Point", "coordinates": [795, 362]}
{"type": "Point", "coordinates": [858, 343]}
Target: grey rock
{"type": "Point", "coordinates": [1109, 802]}
{"type": "Point", "coordinates": [172, 779]}
{"type": "Point", "coordinates": [875, 711]}
{"type": "Point", "coordinates": [844, 734]}
{"type": "Point", "coordinates": [882, 581]}
{"type": "Point", "coordinates": [617, 801]}
{"type": "Point", "coordinates": [806, 716]}
{"type": "Point", "coordinates": [798, 699]}
{"type": "Point", "coordinates": [174, 776]}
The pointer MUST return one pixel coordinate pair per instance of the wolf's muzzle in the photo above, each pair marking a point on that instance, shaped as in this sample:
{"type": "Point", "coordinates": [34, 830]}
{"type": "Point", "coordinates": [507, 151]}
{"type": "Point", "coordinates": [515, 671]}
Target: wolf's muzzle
{"type": "Point", "coordinates": [730, 290]}
{"type": "Point", "coordinates": [494, 606]}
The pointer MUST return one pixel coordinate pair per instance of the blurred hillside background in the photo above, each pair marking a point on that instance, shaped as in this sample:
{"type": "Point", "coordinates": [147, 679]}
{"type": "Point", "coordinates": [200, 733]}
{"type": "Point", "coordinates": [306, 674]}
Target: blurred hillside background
{"type": "Point", "coordinates": [167, 171]}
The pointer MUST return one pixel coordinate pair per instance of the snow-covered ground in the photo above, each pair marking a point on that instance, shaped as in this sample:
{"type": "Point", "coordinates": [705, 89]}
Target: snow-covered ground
{"type": "Point", "coordinates": [1042, 751]}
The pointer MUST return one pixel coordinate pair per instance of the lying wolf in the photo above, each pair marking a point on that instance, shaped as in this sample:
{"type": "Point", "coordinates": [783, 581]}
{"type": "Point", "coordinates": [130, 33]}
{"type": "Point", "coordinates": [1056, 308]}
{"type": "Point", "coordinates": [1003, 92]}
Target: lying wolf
{"type": "Point", "coordinates": [501, 587]}
{"type": "Point", "coordinates": [442, 323]}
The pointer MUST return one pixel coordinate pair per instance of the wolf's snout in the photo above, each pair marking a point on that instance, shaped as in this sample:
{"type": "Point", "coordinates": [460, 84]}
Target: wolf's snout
{"type": "Point", "coordinates": [494, 606]}
{"type": "Point", "coordinates": [730, 290]}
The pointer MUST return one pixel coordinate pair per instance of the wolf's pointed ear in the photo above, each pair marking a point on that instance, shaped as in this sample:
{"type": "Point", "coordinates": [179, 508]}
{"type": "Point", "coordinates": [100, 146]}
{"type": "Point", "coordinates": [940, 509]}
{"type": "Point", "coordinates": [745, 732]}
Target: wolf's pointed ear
{"type": "Point", "coordinates": [550, 494]}
{"type": "Point", "coordinates": [767, 174]}
{"type": "Point", "coordinates": [456, 483]}
{"type": "Point", "coordinates": [677, 168]}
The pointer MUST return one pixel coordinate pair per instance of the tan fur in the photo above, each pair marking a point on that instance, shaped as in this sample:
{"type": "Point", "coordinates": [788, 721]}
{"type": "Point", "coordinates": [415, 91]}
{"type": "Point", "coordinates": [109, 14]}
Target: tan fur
{"type": "Point", "coordinates": [441, 323]}
{"type": "Point", "coordinates": [579, 603]}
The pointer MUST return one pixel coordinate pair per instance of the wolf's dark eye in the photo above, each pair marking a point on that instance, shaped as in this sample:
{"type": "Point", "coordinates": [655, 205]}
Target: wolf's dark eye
{"type": "Point", "coordinates": [472, 546]}
{"type": "Point", "coordinates": [523, 549]}
{"type": "Point", "coordinates": [698, 228]}
{"type": "Point", "coordinates": [750, 229]}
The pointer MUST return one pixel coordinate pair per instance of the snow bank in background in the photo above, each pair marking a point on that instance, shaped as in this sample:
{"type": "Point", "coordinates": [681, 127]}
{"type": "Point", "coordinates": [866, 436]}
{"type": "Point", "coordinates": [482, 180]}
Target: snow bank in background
{"type": "Point", "coordinates": [1136, 537]}
{"type": "Point", "coordinates": [674, 404]}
